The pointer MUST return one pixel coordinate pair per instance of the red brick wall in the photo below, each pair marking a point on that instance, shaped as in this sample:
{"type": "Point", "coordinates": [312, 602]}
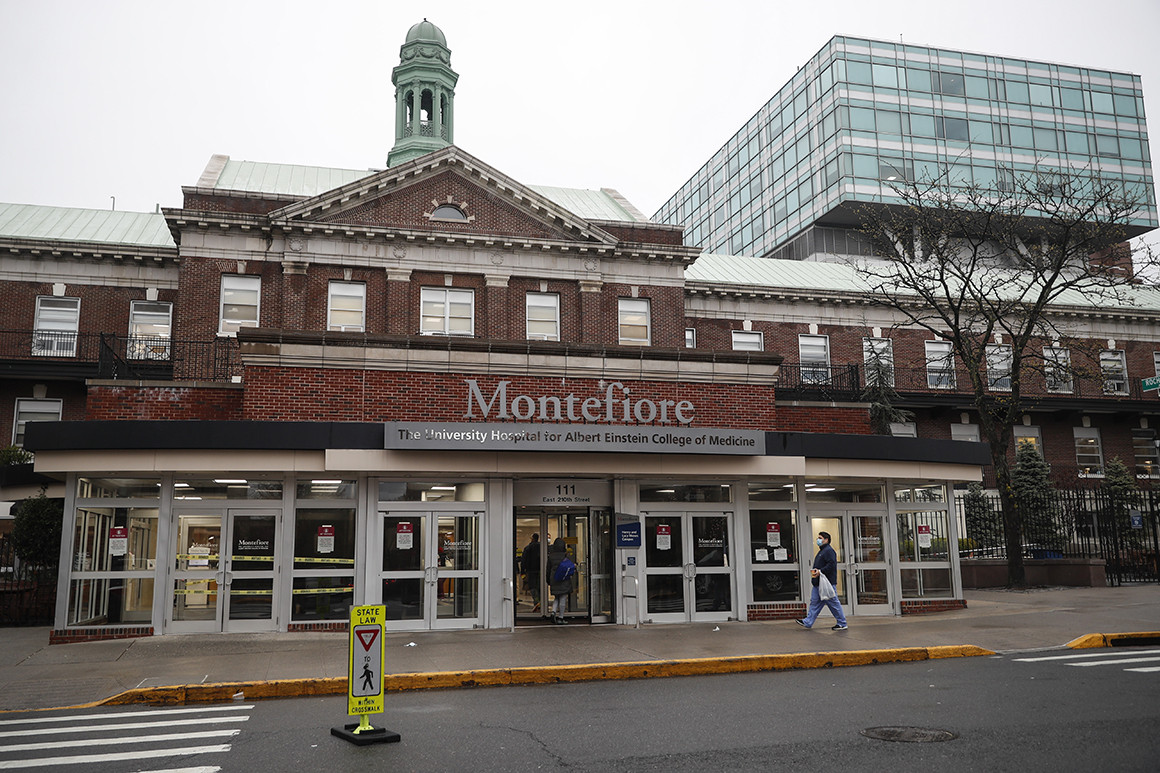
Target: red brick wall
{"type": "Point", "coordinates": [197, 316]}
{"type": "Point", "coordinates": [842, 420]}
{"type": "Point", "coordinates": [225, 203]}
{"type": "Point", "coordinates": [104, 309]}
{"type": "Point", "coordinates": [646, 235]}
{"type": "Point", "coordinates": [316, 394]}
{"type": "Point", "coordinates": [163, 403]}
{"type": "Point", "coordinates": [71, 395]}
{"type": "Point", "coordinates": [404, 207]}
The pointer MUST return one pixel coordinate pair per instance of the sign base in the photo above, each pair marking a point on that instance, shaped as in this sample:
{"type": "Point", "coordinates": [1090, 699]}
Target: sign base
{"type": "Point", "coordinates": [366, 737]}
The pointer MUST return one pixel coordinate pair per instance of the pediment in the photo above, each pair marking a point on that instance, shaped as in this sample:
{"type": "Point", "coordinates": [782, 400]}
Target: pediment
{"type": "Point", "coordinates": [406, 197]}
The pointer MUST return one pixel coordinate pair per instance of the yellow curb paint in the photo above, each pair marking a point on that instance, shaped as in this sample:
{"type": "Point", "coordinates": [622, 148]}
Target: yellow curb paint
{"type": "Point", "coordinates": [1093, 640]}
{"type": "Point", "coordinates": [289, 688]}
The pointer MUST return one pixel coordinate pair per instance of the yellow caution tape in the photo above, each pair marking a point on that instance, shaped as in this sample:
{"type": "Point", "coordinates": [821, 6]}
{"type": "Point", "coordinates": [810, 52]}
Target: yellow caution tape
{"type": "Point", "coordinates": [342, 561]}
{"type": "Point", "coordinates": [197, 556]}
{"type": "Point", "coordinates": [300, 591]}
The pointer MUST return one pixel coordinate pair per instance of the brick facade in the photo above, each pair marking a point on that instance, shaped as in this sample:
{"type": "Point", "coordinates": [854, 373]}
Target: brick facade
{"type": "Point", "coordinates": [168, 402]}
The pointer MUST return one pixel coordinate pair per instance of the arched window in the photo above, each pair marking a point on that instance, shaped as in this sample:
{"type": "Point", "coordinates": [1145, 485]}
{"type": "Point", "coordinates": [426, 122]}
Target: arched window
{"type": "Point", "coordinates": [449, 212]}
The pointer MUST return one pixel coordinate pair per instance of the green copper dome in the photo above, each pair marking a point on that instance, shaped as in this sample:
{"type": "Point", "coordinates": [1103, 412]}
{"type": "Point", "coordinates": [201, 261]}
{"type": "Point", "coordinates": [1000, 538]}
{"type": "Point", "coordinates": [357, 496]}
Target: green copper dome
{"type": "Point", "coordinates": [425, 31]}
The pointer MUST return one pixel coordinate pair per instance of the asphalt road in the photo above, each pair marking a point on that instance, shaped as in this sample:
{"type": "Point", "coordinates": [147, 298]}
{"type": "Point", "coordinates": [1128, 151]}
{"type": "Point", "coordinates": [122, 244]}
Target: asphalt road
{"type": "Point", "coordinates": [1005, 713]}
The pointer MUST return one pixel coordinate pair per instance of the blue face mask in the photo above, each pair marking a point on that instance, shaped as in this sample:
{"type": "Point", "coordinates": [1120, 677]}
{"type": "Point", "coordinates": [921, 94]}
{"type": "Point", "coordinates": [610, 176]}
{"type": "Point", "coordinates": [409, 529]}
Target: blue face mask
{"type": "Point", "coordinates": [820, 541]}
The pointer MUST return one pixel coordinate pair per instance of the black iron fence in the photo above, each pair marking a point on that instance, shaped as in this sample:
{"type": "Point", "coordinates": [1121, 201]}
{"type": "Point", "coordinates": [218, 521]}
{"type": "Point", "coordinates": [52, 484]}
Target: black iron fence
{"type": "Point", "coordinates": [1076, 523]}
{"type": "Point", "coordinates": [27, 593]}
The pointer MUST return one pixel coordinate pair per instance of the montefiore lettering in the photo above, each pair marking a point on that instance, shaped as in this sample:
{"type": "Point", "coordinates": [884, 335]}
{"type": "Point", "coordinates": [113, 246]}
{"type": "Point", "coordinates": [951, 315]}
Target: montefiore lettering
{"type": "Point", "coordinates": [614, 406]}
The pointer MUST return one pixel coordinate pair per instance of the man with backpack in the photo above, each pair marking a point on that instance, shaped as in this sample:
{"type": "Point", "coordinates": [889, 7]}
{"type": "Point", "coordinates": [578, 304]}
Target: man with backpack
{"type": "Point", "coordinates": [561, 571]}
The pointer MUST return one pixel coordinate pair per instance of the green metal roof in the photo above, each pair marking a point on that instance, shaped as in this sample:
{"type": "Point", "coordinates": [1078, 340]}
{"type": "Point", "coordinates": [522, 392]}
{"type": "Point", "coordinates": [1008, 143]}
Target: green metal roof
{"type": "Point", "coordinates": [284, 179]}
{"type": "Point", "coordinates": [803, 275]}
{"type": "Point", "coordinates": [103, 226]}
{"type": "Point", "coordinates": [588, 204]}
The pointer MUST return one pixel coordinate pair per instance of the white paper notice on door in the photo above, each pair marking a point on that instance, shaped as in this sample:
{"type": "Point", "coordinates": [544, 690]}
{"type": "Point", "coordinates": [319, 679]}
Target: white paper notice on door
{"type": "Point", "coordinates": [773, 535]}
{"type": "Point", "coordinates": [405, 535]}
{"type": "Point", "coordinates": [923, 536]}
{"type": "Point", "coordinates": [780, 554]}
{"type": "Point", "coordinates": [664, 537]}
{"type": "Point", "coordinates": [761, 554]}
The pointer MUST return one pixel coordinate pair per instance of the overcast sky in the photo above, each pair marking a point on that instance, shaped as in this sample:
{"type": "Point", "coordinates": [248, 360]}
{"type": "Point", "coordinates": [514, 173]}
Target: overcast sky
{"type": "Point", "coordinates": [129, 99]}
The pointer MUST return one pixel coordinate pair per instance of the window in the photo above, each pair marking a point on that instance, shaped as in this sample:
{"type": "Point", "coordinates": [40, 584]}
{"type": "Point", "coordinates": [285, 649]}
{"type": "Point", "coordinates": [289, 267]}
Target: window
{"type": "Point", "coordinates": [543, 316]}
{"type": "Point", "coordinates": [1114, 368]}
{"type": "Point", "coordinates": [940, 365]}
{"type": "Point", "coordinates": [57, 322]}
{"type": "Point", "coordinates": [748, 341]}
{"type": "Point", "coordinates": [951, 128]}
{"type": "Point", "coordinates": [1156, 362]}
{"type": "Point", "coordinates": [814, 356]}
{"type": "Point", "coordinates": [903, 429]}
{"type": "Point", "coordinates": [999, 367]}
{"type": "Point", "coordinates": [950, 83]}
{"type": "Point", "coordinates": [878, 356]}
{"type": "Point", "coordinates": [1057, 369]}
{"type": "Point", "coordinates": [1146, 452]}
{"type": "Point", "coordinates": [969, 432]}
{"type": "Point", "coordinates": [449, 212]}
{"type": "Point", "coordinates": [346, 309]}
{"type": "Point", "coordinates": [447, 312]}
{"type": "Point", "coordinates": [149, 327]}
{"type": "Point", "coordinates": [690, 338]}
{"type": "Point", "coordinates": [239, 303]}
{"type": "Point", "coordinates": [1029, 436]}
{"type": "Point", "coordinates": [1089, 456]}
{"type": "Point", "coordinates": [634, 322]}
{"type": "Point", "coordinates": [33, 410]}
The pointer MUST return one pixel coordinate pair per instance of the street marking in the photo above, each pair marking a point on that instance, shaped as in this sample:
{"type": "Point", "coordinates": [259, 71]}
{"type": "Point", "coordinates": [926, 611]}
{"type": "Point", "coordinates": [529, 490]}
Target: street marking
{"type": "Point", "coordinates": [85, 759]}
{"type": "Point", "coordinates": [1101, 654]}
{"type": "Point", "coordinates": [123, 714]}
{"type": "Point", "coordinates": [28, 747]}
{"type": "Point", "coordinates": [119, 726]}
{"type": "Point", "coordinates": [1116, 662]}
{"type": "Point", "coordinates": [1148, 670]}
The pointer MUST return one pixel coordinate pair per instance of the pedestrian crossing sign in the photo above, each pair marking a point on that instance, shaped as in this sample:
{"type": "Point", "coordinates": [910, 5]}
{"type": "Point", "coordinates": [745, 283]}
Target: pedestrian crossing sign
{"type": "Point", "coordinates": [367, 659]}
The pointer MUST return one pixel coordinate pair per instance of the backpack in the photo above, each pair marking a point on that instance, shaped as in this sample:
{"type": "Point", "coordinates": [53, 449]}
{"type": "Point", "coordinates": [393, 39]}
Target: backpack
{"type": "Point", "coordinates": [564, 570]}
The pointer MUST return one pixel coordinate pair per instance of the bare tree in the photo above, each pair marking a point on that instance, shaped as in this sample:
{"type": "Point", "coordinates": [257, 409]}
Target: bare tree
{"type": "Point", "coordinates": [987, 271]}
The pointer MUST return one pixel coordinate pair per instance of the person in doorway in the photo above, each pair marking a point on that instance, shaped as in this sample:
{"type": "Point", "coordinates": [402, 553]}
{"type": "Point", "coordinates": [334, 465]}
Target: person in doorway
{"type": "Point", "coordinates": [530, 569]}
{"type": "Point", "coordinates": [825, 563]}
{"type": "Point", "coordinates": [561, 574]}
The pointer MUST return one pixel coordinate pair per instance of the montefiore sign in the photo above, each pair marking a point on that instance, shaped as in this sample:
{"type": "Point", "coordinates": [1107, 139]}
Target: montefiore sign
{"type": "Point", "coordinates": [614, 406]}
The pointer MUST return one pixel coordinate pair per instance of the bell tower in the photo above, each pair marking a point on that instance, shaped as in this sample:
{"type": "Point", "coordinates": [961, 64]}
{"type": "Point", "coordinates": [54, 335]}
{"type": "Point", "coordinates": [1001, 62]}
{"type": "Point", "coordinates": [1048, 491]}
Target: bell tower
{"type": "Point", "coordinates": [424, 95]}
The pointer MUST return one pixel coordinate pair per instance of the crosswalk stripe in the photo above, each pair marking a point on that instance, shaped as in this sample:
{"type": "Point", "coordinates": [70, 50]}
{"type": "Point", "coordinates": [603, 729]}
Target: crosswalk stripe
{"type": "Point", "coordinates": [123, 714]}
{"type": "Point", "coordinates": [118, 726]}
{"type": "Point", "coordinates": [86, 759]}
{"type": "Point", "coordinates": [1116, 662]}
{"type": "Point", "coordinates": [27, 747]}
{"type": "Point", "coordinates": [1148, 670]}
{"type": "Point", "coordinates": [1078, 655]}
{"type": "Point", "coordinates": [199, 769]}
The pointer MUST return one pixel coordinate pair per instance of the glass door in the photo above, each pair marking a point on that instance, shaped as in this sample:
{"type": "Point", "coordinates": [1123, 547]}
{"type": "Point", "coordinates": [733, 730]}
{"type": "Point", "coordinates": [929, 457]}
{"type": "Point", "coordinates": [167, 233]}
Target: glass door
{"type": "Point", "coordinates": [859, 539]}
{"type": "Point", "coordinates": [541, 535]}
{"type": "Point", "coordinates": [431, 572]}
{"type": "Point", "coordinates": [688, 574]}
{"type": "Point", "coordinates": [224, 570]}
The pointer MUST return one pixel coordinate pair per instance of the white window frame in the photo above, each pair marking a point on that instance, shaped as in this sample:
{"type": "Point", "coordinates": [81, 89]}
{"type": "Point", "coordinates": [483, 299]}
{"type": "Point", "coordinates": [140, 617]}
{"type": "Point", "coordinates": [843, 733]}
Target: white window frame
{"type": "Point", "coordinates": [30, 405]}
{"type": "Point", "coordinates": [878, 360]}
{"type": "Point", "coordinates": [628, 310]}
{"type": "Point", "coordinates": [748, 341]}
{"type": "Point", "coordinates": [1144, 440]}
{"type": "Point", "coordinates": [1057, 369]}
{"type": "Point", "coordinates": [56, 325]}
{"type": "Point", "coordinates": [445, 298]}
{"type": "Point", "coordinates": [239, 283]}
{"type": "Point", "coordinates": [814, 358]}
{"type": "Point", "coordinates": [940, 365]}
{"type": "Point", "coordinates": [149, 335]}
{"type": "Point", "coordinates": [999, 361]}
{"type": "Point", "coordinates": [690, 338]}
{"type": "Point", "coordinates": [1156, 362]}
{"type": "Point", "coordinates": [1091, 438]}
{"type": "Point", "coordinates": [966, 432]}
{"type": "Point", "coordinates": [542, 301]}
{"type": "Point", "coordinates": [346, 289]}
{"type": "Point", "coordinates": [1023, 433]}
{"type": "Point", "coordinates": [1114, 369]}
{"type": "Point", "coordinates": [904, 429]}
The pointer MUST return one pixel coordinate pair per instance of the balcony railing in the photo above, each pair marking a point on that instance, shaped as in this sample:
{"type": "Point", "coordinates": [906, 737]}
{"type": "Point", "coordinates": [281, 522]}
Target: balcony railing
{"type": "Point", "coordinates": [108, 356]}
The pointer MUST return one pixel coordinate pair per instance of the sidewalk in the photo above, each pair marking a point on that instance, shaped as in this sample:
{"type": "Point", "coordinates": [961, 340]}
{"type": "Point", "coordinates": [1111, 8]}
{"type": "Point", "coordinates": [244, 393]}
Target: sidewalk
{"type": "Point", "coordinates": [34, 675]}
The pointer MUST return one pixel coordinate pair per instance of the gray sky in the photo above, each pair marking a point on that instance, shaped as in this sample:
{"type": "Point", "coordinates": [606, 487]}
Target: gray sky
{"type": "Point", "coordinates": [130, 99]}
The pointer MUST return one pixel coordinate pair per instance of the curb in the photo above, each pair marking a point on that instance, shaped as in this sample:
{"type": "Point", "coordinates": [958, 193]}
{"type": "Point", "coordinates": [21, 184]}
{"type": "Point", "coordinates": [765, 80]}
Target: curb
{"type": "Point", "coordinates": [292, 688]}
{"type": "Point", "coordinates": [1095, 640]}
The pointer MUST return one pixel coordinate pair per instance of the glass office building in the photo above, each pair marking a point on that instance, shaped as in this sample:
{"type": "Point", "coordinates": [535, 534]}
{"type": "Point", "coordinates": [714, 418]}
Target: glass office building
{"type": "Point", "coordinates": [863, 114]}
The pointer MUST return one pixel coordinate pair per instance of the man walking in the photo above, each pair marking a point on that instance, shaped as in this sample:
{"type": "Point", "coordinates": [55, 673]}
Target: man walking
{"type": "Point", "coordinates": [825, 563]}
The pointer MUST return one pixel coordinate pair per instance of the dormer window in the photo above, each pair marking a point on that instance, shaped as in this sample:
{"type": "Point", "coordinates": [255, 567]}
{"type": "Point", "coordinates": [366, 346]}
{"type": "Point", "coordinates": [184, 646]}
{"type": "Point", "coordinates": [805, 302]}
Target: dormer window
{"type": "Point", "coordinates": [449, 212]}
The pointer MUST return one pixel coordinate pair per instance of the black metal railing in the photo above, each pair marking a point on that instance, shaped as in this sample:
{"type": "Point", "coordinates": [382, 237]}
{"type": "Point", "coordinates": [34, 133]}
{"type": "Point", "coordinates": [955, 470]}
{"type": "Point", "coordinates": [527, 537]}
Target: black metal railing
{"type": "Point", "coordinates": [1072, 523]}
{"type": "Point", "coordinates": [110, 356]}
{"type": "Point", "coordinates": [1035, 384]}
{"type": "Point", "coordinates": [826, 382]}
